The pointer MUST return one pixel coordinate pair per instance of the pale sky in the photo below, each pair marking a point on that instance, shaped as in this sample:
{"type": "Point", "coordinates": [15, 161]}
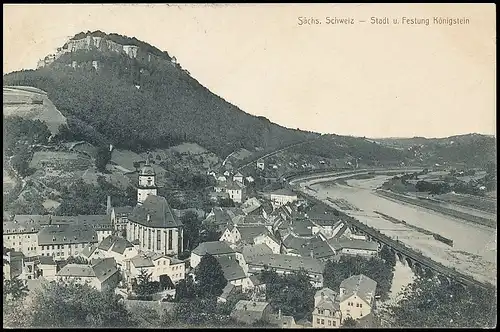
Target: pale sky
{"type": "Point", "coordinates": [362, 79]}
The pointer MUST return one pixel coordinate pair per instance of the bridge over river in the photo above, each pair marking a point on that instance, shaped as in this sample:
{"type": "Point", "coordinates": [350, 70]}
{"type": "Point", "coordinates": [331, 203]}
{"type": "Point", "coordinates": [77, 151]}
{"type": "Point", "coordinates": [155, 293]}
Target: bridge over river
{"type": "Point", "coordinates": [419, 262]}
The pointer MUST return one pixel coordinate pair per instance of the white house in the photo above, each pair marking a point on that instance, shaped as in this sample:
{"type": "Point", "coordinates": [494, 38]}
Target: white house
{"type": "Point", "coordinates": [238, 177]}
{"type": "Point", "coordinates": [283, 196]}
{"type": "Point", "coordinates": [235, 190]}
{"type": "Point", "coordinates": [158, 265]}
{"type": "Point", "coordinates": [64, 240]}
{"type": "Point", "coordinates": [269, 240]}
{"type": "Point", "coordinates": [326, 312]}
{"type": "Point", "coordinates": [260, 164]}
{"type": "Point", "coordinates": [357, 296]}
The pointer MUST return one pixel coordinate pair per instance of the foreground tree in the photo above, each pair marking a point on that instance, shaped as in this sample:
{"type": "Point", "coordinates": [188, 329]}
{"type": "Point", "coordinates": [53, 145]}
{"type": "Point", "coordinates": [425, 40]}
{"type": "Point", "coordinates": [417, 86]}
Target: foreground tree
{"type": "Point", "coordinates": [192, 226]}
{"type": "Point", "coordinates": [59, 304]}
{"type": "Point", "coordinates": [349, 322]}
{"type": "Point", "coordinates": [144, 286]}
{"type": "Point", "coordinates": [14, 289]}
{"type": "Point", "coordinates": [428, 303]}
{"type": "Point", "coordinates": [210, 277]}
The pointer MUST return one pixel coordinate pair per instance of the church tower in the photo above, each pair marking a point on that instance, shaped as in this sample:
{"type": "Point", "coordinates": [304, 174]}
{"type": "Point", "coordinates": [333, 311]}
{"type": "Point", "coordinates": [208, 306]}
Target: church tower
{"type": "Point", "coordinates": [147, 183]}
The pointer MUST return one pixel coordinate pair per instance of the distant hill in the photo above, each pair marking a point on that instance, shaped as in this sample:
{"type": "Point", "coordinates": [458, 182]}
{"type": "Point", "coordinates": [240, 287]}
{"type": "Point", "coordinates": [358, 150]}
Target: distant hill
{"type": "Point", "coordinates": [472, 150]}
{"type": "Point", "coordinates": [31, 104]}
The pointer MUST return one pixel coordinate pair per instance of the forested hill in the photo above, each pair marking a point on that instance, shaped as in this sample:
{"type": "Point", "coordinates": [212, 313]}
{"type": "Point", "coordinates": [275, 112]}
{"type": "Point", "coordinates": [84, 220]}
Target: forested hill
{"type": "Point", "coordinates": [144, 99]}
{"type": "Point", "coordinates": [470, 149]}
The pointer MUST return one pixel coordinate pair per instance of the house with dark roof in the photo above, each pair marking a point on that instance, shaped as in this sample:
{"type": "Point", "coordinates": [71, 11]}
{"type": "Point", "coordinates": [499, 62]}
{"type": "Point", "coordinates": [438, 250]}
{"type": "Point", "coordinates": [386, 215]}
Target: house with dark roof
{"type": "Point", "coordinates": [214, 248]}
{"type": "Point", "coordinates": [354, 247]}
{"type": "Point", "coordinates": [252, 206]}
{"type": "Point", "coordinates": [156, 227]}
{"type": "Point", "coordinates": [284, 264]}
{"type": "Point", "coordinates": [64, 240]}
{"type": "Point", "coordinates": [326, 312]}
{"type": "Point", "coordinates": [235, 234]}
{"type": "Point", "coordinates": [249, 312]}
{"type": "Point", "coordinates": [234, 273]}
{"type": "Point", "coordinates": [228, 291]}
{"type": "Point", "coordinates": [102, 275]}
{"type": "Point", "coordinates": [357, 296]}
{"type": "Point", "coordinates": [118, 248]}
{"type": "Point", "coordinates": [100, 223]}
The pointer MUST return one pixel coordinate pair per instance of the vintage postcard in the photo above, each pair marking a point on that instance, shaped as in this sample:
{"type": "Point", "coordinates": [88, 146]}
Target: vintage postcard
{"type": "Point", "coordinates": [249, 165]}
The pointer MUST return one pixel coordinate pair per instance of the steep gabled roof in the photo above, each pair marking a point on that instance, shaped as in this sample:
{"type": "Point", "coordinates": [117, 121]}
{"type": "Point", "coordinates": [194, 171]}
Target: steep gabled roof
{"type": "Point", "coordinates": [359, 285]}
{"type": "Point", "coordinates": [160, 213]}
{"type": "Point", "coordinates": [232, 270]}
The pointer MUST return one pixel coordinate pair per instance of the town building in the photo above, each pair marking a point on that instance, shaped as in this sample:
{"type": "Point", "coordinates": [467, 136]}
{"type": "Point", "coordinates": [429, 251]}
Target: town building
{"type": "Point", "coordinates": [284, 264]}
{"type": "Point", "coordinates": [249, 312]}
{"type": "Point", "coordinates": [103, 274]}
{"type": "Point", "coordinates": [20, 233]}
{"type": "Point", "coordinates": [326, 312]}
{"type": "Point", "coordinates": [238, 177]}
{"type": "Point", "coordinates": [64, 240]}
{"type": "Point", "coordinates": [234, 190]}
{"type": "Point", "coordinates": [260, 165]}
{"type": "Point", "coordinates": [147, 183]}
{"type": "Point", "coordinates": [119, 217]}
{"type": "Point", "coordinates": [167, 270]}
{"type": "Point", "coordinates": [118, 248]}
{"type": "Point", "coordinates": [214, 248]}
{"type": "Point", "coordinates": [357, 296]}
{"type": "Point", "coordinates": [353, 247]}
{"type": "Point", "coordinates": [282, 197]}
{"type": "Point", "coordinates": [234, 273]}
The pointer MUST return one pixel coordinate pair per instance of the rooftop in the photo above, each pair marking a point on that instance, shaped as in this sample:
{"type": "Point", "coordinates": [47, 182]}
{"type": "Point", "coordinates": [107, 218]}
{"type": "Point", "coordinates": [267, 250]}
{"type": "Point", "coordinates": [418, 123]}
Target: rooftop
{"type": "Point", "coordinates": [341, 243]}
{"type": "Point", "coordinates": [115, 243]}
{"type": "Point", "coordinates": [248, 311]}
{"type": "Point", "coordinates": [359, 285]}
{"type": "Point", "coordinates": [213, 248]}
{"type": "Point", "coordinates": [66, 234]}
{"type": "Point", "coordinates": [287, 262]}
{"type": "Point", "coordinates": [232, 270]}
{"type": "Point", "coordinates": [155, 212]}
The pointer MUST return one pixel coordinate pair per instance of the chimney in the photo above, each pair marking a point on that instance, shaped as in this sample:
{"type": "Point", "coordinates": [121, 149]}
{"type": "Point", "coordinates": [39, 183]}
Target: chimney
{"type": "Point", "coordinates": [311, 253]}
{"type": "Point", "coordinates": [148, 217]}
{"type": "Point", "coordinates": [245, 307]}
{"type": "Point", "coordinates": [279, 314]}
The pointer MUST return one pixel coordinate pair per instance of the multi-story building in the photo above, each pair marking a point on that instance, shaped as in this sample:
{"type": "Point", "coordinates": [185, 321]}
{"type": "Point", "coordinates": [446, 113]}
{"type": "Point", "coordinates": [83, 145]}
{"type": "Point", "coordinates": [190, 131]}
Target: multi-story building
{"type": "Point", "coordinates": [357, 296]}
{"type": "Point", "coordinates": [158, 265]}
{"type": "Point", "coordinates": [282, 197]}
{"type": "Point", "coordinates": [326, 312]}
{"type": "Point", "coordinates": [20, 233]}
{"type": "Point", "coordinates": [64, 240]}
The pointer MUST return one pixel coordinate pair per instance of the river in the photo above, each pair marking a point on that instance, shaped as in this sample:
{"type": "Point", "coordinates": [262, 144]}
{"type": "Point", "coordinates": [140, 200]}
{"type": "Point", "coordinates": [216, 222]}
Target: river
{"type": "Point", "coordinates": [474, 249]}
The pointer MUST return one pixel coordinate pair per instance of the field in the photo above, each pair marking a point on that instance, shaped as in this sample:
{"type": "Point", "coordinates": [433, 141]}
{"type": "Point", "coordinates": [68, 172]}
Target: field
{"type": "Point", "coordinates": [18, 102]}
{"type": "Point", "coordinates": [67, 161]}
{"type": "Point", "coordinates": [483, 204]}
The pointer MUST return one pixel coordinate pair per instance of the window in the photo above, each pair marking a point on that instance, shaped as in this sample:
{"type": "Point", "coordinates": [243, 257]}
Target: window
{"type": "Point", "coordinates": [169, 239]}
{"type": "Point", "coordinates": [158, 241]}
{"type": "Point", "coordinates": [318, 321]}
{"type": "Point", "coordinates": [329, 323]}
{"type": "Point", "coordinates": [323, 322]}
{"type": "Point", "coordinates": [149, 239]}
{"type": "Point", "coordinates": [361, 305]}
{"type": "Point", "coordinates": [357, 305]}
{"type": "Point", "coordinates": [334, 323]}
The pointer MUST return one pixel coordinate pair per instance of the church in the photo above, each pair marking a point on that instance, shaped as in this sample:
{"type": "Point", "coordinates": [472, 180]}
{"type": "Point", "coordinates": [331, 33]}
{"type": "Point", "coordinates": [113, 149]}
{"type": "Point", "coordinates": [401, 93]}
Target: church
{"type": "Point", "coordinates": [152, 223]}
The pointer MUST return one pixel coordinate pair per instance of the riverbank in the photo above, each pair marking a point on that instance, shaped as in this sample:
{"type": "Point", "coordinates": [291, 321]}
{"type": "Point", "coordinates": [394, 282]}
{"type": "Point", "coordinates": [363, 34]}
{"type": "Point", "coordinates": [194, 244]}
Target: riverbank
{"type": "Point", "coordinates": [436, 207]}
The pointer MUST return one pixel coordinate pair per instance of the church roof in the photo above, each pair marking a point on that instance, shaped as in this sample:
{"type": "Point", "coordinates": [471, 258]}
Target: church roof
{"type": "Point", "coordinates": [147, 170]}
{"type": "Point", "coordinates": [160, 213]}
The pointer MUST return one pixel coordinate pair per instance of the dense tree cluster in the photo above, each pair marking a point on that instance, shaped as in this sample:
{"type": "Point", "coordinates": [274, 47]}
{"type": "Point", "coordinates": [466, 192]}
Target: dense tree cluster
{"type": "Point", "coordinates": [292, 293]}
{"type": "Point", "coordinates": [429, 304]}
